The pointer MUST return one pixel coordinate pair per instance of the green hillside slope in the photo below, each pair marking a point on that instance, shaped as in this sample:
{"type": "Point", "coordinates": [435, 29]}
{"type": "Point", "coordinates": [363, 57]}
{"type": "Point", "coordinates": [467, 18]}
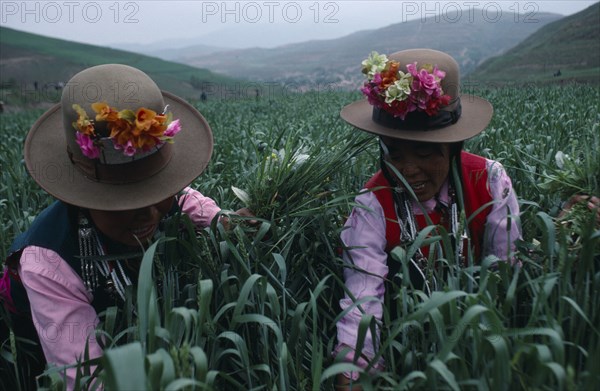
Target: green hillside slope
{"type": "Point", "coordinates": [27, 60]}
{"type": "Point", "coordinates": [570, 45]}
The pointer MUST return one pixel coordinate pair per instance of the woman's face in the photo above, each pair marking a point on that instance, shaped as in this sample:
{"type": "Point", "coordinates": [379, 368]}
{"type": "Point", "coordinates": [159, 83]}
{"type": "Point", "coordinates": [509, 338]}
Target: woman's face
{"type": "Point", "coordinates": [131, 227]}
{"type": "Point", "coordinates": [425, 166]}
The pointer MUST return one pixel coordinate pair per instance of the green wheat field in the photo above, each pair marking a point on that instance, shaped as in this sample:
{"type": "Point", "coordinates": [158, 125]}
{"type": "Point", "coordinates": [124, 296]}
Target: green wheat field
{"type": "Point", "coordinates": [259, 308]}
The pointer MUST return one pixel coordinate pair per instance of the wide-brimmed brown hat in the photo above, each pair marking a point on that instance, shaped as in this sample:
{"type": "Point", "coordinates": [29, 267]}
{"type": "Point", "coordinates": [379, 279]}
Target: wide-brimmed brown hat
{"type": "Point", "coordinates": [463, 117]}
{"type": "Point", "coordinates": [70, 153]}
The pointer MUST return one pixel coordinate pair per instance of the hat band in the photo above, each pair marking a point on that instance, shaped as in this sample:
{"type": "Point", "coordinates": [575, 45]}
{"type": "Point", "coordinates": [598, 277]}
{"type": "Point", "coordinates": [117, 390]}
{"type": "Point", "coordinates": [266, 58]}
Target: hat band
{"type": "Point", "coordinates": [418, 120]}
{"type": "Point", "coordinates": [130, 172]}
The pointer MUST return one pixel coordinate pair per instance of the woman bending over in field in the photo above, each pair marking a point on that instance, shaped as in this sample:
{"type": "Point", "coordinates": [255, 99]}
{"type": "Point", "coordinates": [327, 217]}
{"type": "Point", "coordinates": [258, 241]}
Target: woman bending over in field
{"type": "Point", "coordinates": [128, 162]}
{"type": "Point", "coordinates": [414, 105]}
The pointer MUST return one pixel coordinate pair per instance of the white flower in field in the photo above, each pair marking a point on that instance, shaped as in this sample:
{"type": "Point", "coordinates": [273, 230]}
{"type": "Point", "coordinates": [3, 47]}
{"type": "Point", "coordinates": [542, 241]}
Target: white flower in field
{"type": "Point", "coordinates": [560, 159]}
{"type": "Point", "coordinates": [294, 160]}
{"type": "Point", "coordinates": [297, 159]}
{"type": "Point", "coordinates": [300, 159]}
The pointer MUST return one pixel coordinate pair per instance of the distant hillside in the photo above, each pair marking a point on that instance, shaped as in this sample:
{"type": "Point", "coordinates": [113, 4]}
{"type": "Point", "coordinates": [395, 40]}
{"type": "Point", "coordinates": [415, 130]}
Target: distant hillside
{"type": "Point", "coordinates": [30, 60]}
{"type": "Point", "coordinates": [469, 40]}
{"type": "Point", "coordinates": [167, 50]}
{"type": "Point", "coordinates": [570, 45]}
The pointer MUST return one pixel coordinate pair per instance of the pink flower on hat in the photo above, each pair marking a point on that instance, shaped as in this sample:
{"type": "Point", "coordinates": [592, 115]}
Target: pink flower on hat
{"type": "Point", "coordinates": [173, 128]}
{"type": "Point", "coordinates": [128, 149]}
{"type": "Point", "coordinates": [87, 146]}
{"type": "Point", "coordinates": [425, 81]}
{"type": "Point", "coordinates": [426, 87]}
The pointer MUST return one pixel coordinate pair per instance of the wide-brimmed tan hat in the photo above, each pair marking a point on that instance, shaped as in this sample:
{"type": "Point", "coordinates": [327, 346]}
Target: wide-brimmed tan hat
{"type": "Point", "coordinates": [463, 117]}
{"type": "Point", "coordinates": [114, 173]}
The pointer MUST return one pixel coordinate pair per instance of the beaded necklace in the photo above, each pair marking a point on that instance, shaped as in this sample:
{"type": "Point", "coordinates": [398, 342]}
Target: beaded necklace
{"type": "Point", "coordinates": [94, 260]}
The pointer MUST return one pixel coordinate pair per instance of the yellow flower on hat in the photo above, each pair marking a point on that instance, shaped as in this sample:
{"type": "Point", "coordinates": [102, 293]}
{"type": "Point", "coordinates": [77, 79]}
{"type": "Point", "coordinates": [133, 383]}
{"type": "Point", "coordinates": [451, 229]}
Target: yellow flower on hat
{"type": "Point", "coordinates": [83, 123]}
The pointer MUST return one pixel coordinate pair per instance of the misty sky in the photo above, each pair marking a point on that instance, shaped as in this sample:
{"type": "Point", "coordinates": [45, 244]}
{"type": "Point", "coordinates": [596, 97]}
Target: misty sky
{"type": "Point", "coordinates": [244, 23]}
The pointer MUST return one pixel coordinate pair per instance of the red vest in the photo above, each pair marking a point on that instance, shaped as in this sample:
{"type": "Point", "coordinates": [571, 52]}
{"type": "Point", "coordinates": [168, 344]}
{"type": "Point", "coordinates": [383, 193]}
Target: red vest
{"type": "Point", "coordinates": [475, 194]}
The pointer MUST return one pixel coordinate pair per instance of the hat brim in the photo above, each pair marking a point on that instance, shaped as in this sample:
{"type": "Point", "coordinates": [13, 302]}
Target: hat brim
{"type": "Point", "coordinates": [48, 163]}
{"type": "Point", "coordinates": [476, 115]}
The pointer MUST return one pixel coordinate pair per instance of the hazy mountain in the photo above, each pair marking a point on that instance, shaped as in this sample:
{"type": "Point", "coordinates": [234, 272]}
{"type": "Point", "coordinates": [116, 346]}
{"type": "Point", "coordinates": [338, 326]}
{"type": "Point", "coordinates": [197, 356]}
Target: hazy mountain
{"type": "Point", "coordinates": [570, 45]}
{"type": "Point", "coordinates": [317, 62]}
{"type": "Point", "coordinates": [170, 49]}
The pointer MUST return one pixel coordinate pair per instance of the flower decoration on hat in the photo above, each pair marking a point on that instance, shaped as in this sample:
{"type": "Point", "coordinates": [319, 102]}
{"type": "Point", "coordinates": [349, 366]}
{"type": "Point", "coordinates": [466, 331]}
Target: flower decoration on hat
{"type": "Point", "coordinates": [397, 92]}
{"type": "Point", "coordinates": [130, 132]}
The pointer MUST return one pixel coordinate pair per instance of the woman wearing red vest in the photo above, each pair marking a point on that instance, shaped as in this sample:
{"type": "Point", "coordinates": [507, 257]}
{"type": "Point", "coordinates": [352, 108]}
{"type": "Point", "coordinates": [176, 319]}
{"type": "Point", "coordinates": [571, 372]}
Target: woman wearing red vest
{"type": "Point", "coordinates": [414, 105]}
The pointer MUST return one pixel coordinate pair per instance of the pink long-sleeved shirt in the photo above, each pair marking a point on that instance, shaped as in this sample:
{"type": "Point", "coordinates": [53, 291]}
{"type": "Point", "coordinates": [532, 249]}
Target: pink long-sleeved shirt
{"type": "Point", "coordinates": [60, 304]}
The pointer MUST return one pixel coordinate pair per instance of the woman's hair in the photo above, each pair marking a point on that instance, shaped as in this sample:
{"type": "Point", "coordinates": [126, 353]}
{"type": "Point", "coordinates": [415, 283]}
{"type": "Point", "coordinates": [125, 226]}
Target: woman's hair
{"type": "Point", "coordinates": [455, 150]}
{"type": "Point", "coordinates": [455, 158]}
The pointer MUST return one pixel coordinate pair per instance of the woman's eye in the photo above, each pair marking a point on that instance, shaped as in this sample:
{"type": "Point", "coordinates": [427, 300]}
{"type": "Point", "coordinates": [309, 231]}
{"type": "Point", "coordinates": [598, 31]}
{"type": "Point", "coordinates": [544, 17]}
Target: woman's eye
{"type": "Point", "coordinates": [424, 152]}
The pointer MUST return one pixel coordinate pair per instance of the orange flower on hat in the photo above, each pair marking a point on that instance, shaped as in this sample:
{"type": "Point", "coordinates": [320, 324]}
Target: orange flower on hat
{"type": "Point", "coordinates": [149, 123]}
{"type": "Point", "coordinates": [121, 131]}
{"type": "Point", "coordinates": [130, 131]}
{"type": "Point", "coordinates": [104, 112]}
{"type": "Point", "coordinates": [390, 74]}
{"type": "Point", "coordinates": [144, 119]}
{"type": "Point", "coordinates": [149, 128]}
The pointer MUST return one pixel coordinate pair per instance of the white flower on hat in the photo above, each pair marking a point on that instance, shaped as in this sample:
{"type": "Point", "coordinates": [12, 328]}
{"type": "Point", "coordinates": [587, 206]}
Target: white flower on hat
{"type": "Point", "coordinates": [400, 89]}
{"type": "Point", "coordinates": [373, 64]}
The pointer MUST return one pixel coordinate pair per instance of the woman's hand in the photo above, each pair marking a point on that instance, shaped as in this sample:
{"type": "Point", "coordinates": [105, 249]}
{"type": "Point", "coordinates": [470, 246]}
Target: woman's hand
{"type": "Point", "coordinates": [342, 383]}
{"type": "Point", "coordinates": [593, 203]}
{"type": "Point", "coordinates": [243, 212]}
